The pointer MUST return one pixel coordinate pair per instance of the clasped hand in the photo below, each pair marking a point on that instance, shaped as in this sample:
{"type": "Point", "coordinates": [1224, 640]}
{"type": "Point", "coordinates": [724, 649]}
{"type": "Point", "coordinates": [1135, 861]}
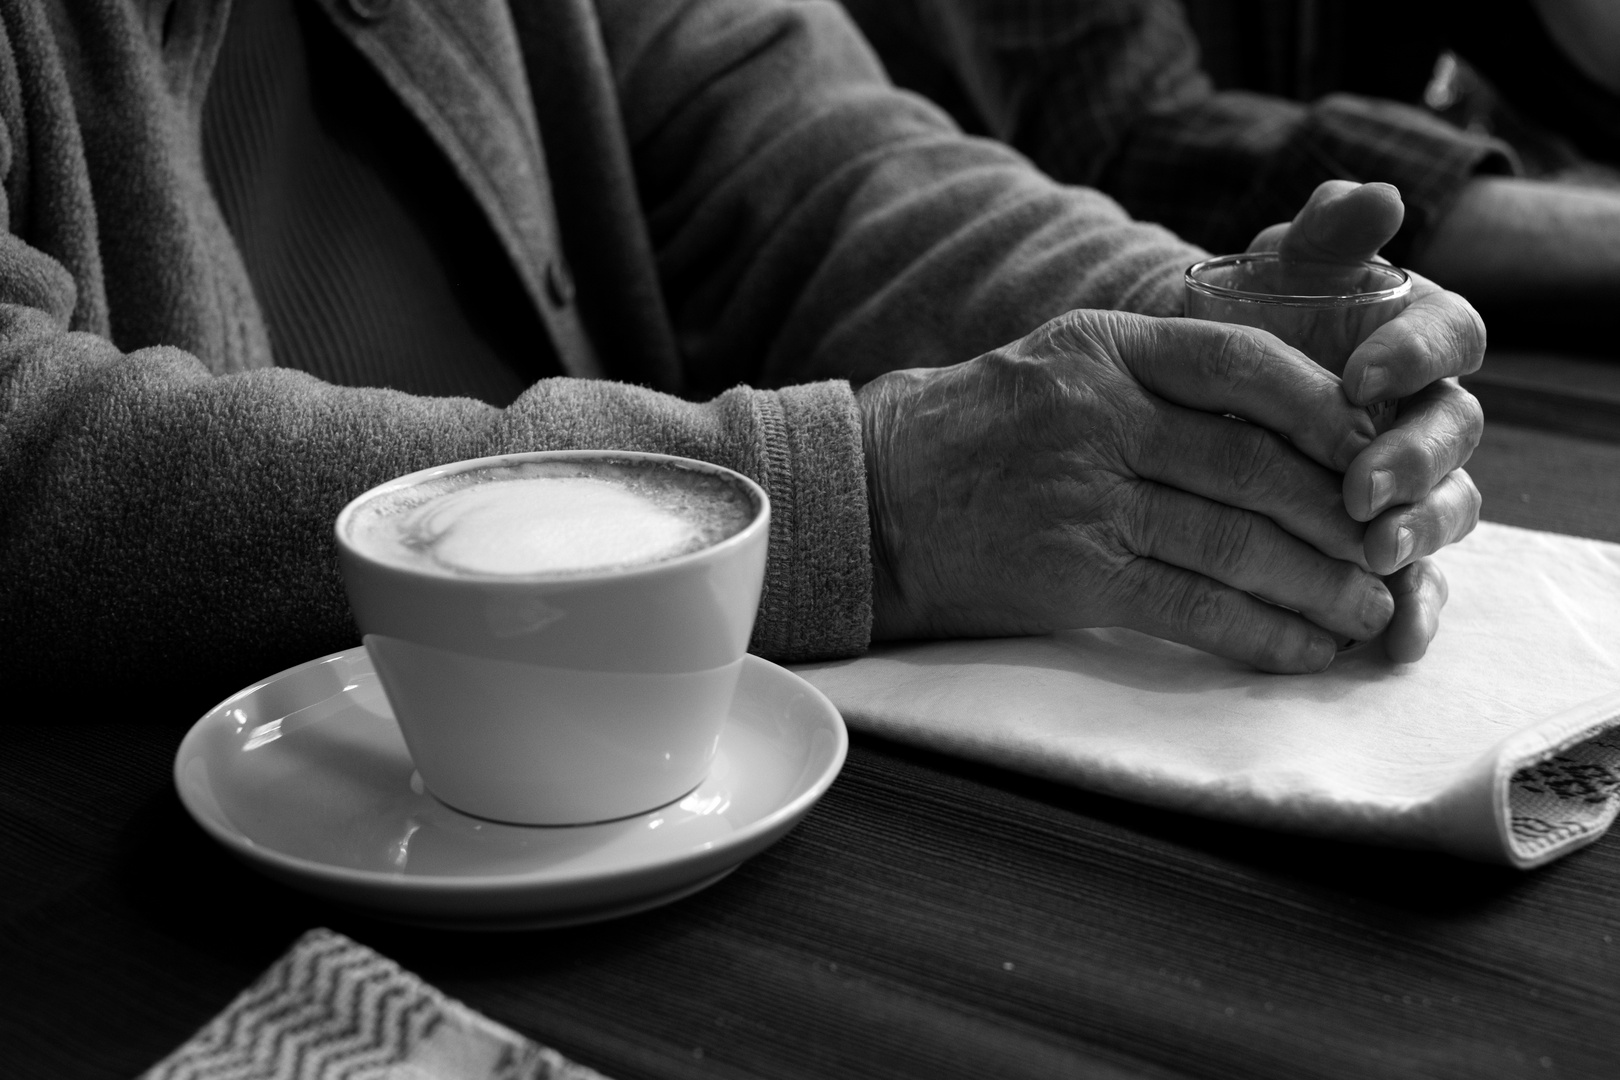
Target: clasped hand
{"type": "Point", "coordinates": [1200, 482]}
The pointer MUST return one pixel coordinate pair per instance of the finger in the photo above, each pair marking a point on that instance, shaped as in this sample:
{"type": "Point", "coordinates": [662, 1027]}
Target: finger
{"type": "Point", "coordinates": [1342, 221]}
{"type": "Point", "coordinates": [1220, 368]}
{"type": "Point", "coordinates": [1443, 516]}
{"type": "Point", "coordinates": [1271, 237]}
{"type": "Point", "coordinates": [1251, 553]}
{"type": "Point", "coordinates": [1420, 592]}
{"type": "Point", "coordinates": [1244, 465]}
{"type": "Point", "coordinates": [1179, 605]}
{"type": "Point", "coordinates": [1438, 336]}
{"type": "Point", "coordinates": [1436, 432]}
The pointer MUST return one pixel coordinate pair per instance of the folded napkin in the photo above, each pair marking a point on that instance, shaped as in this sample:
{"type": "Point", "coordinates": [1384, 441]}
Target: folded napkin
{"type": "Point", "coordinates": [1502, 745]}
{"type": "Point", "coordinates": [332, 1009]}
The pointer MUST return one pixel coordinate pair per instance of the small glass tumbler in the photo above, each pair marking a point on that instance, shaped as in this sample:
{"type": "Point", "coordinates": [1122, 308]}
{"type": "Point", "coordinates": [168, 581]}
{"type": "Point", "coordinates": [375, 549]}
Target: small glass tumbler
{"type": "Point", "coordinates": [1322, 309]}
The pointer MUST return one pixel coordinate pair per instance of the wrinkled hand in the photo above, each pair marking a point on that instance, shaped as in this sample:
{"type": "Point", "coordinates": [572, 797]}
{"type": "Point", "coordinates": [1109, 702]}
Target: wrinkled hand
{"type": "Point", "coordinates": [1096, 473]}
{"type": "Point", "coordinates": [1408, 485]}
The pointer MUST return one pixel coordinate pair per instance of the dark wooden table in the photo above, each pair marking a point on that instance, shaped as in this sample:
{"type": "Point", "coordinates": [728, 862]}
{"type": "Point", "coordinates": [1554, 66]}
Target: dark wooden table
{"type": "Point", "coordinates": [930, 918]}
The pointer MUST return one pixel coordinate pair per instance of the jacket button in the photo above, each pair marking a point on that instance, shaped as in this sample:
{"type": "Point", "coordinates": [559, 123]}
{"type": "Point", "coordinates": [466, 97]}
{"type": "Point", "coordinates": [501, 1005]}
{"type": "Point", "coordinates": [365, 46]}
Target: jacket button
{"type": "Point", "coordinates": [559, 284]}
{"type": "Point", "coordinates": [370, 10]}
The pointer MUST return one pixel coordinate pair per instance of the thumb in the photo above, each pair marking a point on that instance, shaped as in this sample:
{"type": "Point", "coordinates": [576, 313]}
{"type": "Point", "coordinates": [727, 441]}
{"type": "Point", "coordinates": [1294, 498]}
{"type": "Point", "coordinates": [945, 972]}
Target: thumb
{"type": "Point", "coordinates": [1341, 222]}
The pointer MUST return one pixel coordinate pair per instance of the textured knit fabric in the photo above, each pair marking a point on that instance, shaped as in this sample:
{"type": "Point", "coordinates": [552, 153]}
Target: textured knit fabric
{"type": "Point", "coordinates": [372, 262]}
{"type": "Point", "coordinates": [694, 195]}
{"type": "Point", "coordinates": [1110, 93]}
{"type": "Point", "coordinates": [331, 1009]}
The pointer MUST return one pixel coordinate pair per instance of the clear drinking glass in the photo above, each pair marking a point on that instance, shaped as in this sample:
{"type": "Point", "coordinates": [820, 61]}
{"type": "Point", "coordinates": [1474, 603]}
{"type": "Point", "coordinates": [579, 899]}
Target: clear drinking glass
{"type": "Point", "coordinates": [1322, 309]}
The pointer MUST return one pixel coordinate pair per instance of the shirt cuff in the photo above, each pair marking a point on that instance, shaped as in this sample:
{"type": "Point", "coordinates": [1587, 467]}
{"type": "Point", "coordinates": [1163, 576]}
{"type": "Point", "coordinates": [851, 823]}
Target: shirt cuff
{"type": "Point", "coordinates": [1367, 140]}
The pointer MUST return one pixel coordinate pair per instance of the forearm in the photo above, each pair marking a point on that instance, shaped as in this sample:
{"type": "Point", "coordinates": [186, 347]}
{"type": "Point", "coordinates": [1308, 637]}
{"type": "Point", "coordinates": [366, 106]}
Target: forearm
{"type": "Point", "coordinates": [1112, 96]}
{"type": "Point", "coordinates": [813, 222]}
{"type": "Point", "coordinates": [160, 519]}
{"type": "Point", "coordinates": [1512, 243]}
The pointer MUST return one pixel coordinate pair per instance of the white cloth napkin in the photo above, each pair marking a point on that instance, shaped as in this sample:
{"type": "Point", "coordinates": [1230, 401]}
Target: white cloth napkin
{"type": "Point", "coordinates": [331, 1009]}
{"type": "Point", "coordinates": [1502, 745]}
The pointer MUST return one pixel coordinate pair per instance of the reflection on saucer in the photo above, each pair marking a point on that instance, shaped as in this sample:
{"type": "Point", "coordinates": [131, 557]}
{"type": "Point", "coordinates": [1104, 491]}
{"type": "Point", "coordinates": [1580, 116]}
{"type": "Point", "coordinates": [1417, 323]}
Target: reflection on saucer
{"type": "Point", "coordinates": [306, 776]}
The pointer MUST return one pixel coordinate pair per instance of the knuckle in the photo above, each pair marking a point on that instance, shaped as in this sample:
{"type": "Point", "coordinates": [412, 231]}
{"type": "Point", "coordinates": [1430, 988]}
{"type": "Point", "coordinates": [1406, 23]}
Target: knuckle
{"type": "Point", "coordinates": [1421, 351]}
{"type": "Point", "coordinates": [1418, 460]}
{"type": "Point", "coordinates": [1250, 462]}
{"type": "Point", "coordinates": [1431, 457]}
{"type": "Point", "coordinates": [1132, 589]}
{"type": "Point", "coordinates": [1470, 419]}
{"type": "Point", "coordinates": [1460, 476]}
{"type": "Point", "coordinates": [1235, 361]}
{"type": "Point", "coordinates": [1229, 539]}
{"type": "Point", "coordinates": [1451, 337]}
{"type": "Point", "coordinates": [1097, 333]}
{"type": "Point", "coordinates": [1280, 645]}
{"type": "Point", "coordinates": [1470, 499]}
{"type": "Point", "coordinates": [1068, 330]}
{"type": "Point", "coordinates": [1198, 602]}
{"type": "Point", "coordinates": [1135, 592]}
{"type": "Point", "coordinates": [1028, 380]}
{"type": "Point", "coordinates": [1136, 511]}
{"type": "Point", "coordinates": [1470, 330]}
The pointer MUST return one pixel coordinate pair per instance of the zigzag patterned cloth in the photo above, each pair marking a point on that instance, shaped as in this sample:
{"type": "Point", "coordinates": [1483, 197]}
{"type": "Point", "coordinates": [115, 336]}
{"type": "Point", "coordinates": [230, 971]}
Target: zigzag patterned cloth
{"type": "Point", "coordinates": [331, 1009]}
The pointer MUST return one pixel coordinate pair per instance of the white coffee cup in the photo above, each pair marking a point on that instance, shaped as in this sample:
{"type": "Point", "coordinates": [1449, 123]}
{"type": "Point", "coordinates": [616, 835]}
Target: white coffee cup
{"type": "Point", "coordinates": [564, 695]}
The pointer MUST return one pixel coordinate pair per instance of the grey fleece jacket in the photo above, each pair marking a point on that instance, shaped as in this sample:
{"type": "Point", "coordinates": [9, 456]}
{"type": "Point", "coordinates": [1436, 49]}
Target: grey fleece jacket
{"type": "Point", "coordinates": [697, 195]}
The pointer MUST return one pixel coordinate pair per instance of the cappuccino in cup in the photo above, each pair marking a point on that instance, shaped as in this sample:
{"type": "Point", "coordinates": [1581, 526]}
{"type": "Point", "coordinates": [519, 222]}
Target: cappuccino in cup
{"type": "Point", "coordinates": [551, 517]}
{"type": "Point", "coordinates": [559, 634]}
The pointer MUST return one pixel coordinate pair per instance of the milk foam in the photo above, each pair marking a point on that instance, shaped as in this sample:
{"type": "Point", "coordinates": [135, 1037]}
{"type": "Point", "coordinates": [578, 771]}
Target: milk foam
{"type": "Point", "coordinates": [551, 518]}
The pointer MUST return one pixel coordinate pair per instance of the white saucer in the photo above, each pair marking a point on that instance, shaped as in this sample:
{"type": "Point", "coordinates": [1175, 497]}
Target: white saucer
{"type": "Point", "coordinates": [306, 777]}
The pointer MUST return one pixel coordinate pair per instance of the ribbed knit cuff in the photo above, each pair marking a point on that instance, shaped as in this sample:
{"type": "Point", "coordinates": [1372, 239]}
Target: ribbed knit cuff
{"type": "Point", "coordinates": [817, 602]}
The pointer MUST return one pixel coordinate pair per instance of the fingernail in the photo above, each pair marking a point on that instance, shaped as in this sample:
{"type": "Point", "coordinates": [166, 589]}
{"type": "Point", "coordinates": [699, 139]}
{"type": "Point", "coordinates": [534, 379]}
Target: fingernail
{"type": "Point", "coordinates": [1403, 546]}
{"type": "Point", "coordinates": [1374, 381]}
{"type": "Point", "coordinates": [1377, 608]}
{"type": "Point", "coordinates": [1319, 653]}
{"type": "Point", "coordinates": [1382, 484]}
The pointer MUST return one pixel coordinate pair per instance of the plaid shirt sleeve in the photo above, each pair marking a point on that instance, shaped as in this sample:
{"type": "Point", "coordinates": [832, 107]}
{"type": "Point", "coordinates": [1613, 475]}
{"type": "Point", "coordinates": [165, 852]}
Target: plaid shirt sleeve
{"type": "Point", "coordinates": [1109, 93]}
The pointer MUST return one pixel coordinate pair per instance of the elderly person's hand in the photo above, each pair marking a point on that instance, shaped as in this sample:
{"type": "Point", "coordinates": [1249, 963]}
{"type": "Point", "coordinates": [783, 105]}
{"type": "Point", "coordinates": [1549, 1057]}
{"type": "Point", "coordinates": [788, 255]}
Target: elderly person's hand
{"type": "Point", "coordinates": [1200, 482]}
{"type": "Point", "coordinates": [1096, 473]}
{"type": "Point", "coordinates": [1408, 485]}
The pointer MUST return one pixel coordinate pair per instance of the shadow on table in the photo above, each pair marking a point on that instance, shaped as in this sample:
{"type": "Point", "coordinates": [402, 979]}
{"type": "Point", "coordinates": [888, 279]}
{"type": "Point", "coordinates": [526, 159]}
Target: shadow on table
{"type": "Point", "coordinates": [185, 884]}
{"type": "Point", "coordinates": [929, 891]}
{"type": "Point", "coordinates": [1426, 882]}
{"type": "Point", "coordinates": [182, 881]}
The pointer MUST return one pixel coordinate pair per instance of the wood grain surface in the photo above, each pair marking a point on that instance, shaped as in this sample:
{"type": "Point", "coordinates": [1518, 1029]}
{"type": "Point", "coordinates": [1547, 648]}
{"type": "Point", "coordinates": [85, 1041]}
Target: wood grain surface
{"type": "Point", "coordinates": [929, 919]}
{"type": "Point", "coordinates": [1577, 395]}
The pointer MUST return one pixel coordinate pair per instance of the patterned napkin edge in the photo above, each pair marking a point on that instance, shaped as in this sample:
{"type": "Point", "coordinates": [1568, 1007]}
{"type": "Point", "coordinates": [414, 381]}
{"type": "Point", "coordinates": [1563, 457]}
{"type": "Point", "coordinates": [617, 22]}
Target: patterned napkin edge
{"type": "Point", "coordinates": [1558, 784]}
{"type": "Point", "coordinates": [332, 1009]}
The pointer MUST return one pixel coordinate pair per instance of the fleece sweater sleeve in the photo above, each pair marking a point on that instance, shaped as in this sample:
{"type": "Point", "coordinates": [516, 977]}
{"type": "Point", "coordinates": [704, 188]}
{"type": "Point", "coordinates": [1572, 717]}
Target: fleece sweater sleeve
{"type": "Point", "coordinates": [810, 220]}
{"type": "Point", "coordinates": [810, 224]}
{"type": "Point", "coordinates": [156, 520]}
{"type": "Point", "coordinates": [160, 521]}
